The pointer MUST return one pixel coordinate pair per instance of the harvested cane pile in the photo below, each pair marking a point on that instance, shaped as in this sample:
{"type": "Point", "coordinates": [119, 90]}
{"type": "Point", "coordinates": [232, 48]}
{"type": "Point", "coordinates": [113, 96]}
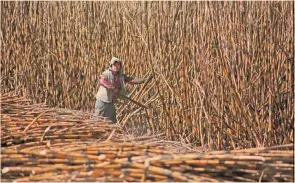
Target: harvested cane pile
{"type": "Point", "coordinates": [62, 145]}
{"type": "Point", "coordinates": [22, 121]}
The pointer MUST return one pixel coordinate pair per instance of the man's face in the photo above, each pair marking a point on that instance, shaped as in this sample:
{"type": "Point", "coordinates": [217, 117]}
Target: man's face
{"type": "Point", "coordinates": [116, 67]}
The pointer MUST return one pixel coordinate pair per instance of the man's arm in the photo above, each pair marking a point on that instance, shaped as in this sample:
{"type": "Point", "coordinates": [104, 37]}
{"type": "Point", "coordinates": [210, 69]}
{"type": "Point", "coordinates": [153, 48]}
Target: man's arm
{"type": "Point", "coordinates": [103, 81]}
{"type": "Point", "coordinates": [134, 80]}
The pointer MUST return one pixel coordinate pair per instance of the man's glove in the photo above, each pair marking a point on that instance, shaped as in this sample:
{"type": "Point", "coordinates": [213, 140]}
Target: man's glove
{"type": "Point", "coordinates": [142, 80]}
{"type": "Point", "coordinates": [146, 79]}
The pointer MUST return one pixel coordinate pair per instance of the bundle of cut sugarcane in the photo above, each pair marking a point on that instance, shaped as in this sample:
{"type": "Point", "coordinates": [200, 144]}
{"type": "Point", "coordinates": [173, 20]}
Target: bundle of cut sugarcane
{"type": "Point", "coordinates": [110, 161]}
{"type": "Point", "coordinates": [22, 121]}
{"type": "Point", "coordinates": [19, 106]}
{"type": "Point", "coordinates": [15, 131]}
{"type": "Point", "coordinates": [102, 158]}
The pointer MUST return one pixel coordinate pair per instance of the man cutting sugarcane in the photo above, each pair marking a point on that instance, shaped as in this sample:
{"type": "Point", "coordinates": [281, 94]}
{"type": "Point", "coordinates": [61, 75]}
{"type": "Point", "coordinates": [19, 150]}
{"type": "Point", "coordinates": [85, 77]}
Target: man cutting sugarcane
{"type": "Point", "coordinates": [111, 87]}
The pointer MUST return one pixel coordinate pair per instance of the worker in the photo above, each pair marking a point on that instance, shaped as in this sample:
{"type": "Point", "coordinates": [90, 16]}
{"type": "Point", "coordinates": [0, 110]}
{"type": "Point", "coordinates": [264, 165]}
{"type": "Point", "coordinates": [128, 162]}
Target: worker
{"type": "Point", "coordinates": [111, 84]}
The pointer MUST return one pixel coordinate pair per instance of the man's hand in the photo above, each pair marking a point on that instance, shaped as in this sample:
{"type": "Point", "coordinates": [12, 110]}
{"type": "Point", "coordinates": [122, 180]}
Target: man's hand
{"type": "Point", "coordinates": [144, 80]}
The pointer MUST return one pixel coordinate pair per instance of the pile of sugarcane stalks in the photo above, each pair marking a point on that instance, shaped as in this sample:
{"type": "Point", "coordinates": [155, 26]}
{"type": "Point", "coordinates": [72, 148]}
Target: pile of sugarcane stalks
{"type": "Point", "coordinates": [22, 121]}
{"type": "Point", "coordinates": [109, 161]}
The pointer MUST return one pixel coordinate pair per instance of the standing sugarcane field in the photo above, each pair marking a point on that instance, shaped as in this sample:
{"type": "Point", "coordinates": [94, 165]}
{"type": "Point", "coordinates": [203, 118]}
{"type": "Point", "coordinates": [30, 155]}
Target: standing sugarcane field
{"type": "Point", "coordinates": [147, 91]}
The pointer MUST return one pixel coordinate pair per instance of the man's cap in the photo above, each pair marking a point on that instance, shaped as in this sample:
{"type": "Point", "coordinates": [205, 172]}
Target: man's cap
{"type": "Point", "coordinates": [115, 59]}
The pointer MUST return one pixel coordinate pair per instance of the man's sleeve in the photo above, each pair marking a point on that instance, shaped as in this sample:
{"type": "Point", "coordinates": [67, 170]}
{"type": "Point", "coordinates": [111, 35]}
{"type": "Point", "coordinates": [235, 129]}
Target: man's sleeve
{"type": "Point", "coordinates": [133, 80]}
{"type": "Point", "coordinates": [103, 81]}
